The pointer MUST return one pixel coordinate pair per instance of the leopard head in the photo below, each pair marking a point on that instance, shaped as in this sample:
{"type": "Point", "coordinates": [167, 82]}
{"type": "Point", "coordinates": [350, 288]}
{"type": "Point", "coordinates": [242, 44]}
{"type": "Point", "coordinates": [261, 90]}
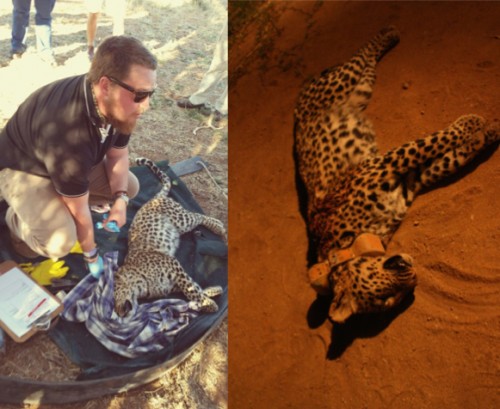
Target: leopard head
{"type": "Point", "coordinates": [124, 295]}
{"type": "Point", "coordinates": [370, 284]}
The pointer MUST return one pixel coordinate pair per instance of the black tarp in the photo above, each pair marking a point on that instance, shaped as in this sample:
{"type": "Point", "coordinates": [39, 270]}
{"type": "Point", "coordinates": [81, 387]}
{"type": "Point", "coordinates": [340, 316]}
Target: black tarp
{"type": "Point", "coordinates": [202, 254]}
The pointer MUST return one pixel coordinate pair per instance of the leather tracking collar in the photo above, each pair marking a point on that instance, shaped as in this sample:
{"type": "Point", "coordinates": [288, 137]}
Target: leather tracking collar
{"type": "Point", "coordinates": [365, 245]}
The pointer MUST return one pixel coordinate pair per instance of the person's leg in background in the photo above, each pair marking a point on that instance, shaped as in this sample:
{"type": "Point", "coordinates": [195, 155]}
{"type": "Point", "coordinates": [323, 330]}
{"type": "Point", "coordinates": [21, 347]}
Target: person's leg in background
{"type": "Point", "coordinates": [93, 9]}
{"type": "Point", "coordinates": [43, 29]}
{"type": "Point", "coordinates": [212, 78]}
{"type": "Point", "coordinates": [20, 22]}
{"type": "Point", "coordinates": [117, 9]}
{"type": "Point", "coordinates": [215, 74]}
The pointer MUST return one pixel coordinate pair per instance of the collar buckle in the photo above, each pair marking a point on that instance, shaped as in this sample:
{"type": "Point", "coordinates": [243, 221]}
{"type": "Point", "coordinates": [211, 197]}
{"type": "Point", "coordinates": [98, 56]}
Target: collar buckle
{"type": "Point", "coordinates": [365, 245]}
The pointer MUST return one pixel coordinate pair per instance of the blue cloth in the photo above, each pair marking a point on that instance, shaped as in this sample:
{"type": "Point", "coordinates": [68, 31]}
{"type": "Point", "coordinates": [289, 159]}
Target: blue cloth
{"type": "Point", "coordinates": [147, 328]}
{"type": "Point", "coordinates": [20, 22]}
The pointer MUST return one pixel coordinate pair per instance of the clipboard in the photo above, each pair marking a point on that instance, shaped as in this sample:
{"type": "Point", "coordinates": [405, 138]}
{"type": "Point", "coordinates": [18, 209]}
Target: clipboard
{"type": "Point", "coordinates": [26, 307]}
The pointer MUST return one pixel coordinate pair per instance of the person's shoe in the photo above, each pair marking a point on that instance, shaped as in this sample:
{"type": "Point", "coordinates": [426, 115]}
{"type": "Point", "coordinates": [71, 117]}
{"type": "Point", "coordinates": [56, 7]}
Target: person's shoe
{"type": "Point", "coordinates": [18, 53]}
{"type": "Point", "coordinates": [100, 208]}
{"type": "Point", "coordinates": [218, 119]}
{"type": "Point", "coordinates": [21, 248]}
{"type": "Point", "coordinates": [48, 58]}
{"type": "Point", "coordinates": [187, 104]}
{"type": "Point", "coordinates": [218, 116]}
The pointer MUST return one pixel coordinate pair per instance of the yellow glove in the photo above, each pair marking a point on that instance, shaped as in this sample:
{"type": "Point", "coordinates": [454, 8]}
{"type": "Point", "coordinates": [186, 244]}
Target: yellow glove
{"type": "Point", "coordinates": [77, 248]}
{"type": "Point", "coordinates": [44, 272]}
{"type": "Point", "coordinates": [27, 267]}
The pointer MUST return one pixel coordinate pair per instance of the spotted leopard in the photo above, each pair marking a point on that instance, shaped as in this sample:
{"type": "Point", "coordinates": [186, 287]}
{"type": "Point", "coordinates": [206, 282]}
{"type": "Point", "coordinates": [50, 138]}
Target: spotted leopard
{"type": "Point", "coordinates": [150, 268]}
{"type": "Point", "coordinates": [355, 193]}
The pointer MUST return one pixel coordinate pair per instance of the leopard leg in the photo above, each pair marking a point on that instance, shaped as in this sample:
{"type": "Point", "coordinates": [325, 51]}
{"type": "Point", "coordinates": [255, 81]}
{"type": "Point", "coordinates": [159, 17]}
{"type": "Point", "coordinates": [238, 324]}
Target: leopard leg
{"type": "Point", "coordinates": [213, 291]}
{"type": "Point", "coordinates": [364, 63]}
{"type": "Point", "coordinates": [362, 92]}
{"type": "Point", "coordinates": [454, 146]}
{"type": "Point", "coordinates": [192, 290]}
{"type": "Point", "coordinates": [336, 84]}
{"type": "Point", "coordinates": [453, 160]}
{"type": "Point", "coordinates": [214, 225]}
{"type": "Point", "coordinates": [187, 221]}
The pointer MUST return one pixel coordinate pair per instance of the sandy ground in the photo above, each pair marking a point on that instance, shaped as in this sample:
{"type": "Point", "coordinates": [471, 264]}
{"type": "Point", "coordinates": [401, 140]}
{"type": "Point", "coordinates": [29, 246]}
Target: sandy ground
{"type": "Point", "coordinates": [441, 348]}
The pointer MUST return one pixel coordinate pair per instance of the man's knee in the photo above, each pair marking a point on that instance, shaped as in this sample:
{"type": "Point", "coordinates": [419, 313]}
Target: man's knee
{"type": "Point", "coordinates": [61, 241]}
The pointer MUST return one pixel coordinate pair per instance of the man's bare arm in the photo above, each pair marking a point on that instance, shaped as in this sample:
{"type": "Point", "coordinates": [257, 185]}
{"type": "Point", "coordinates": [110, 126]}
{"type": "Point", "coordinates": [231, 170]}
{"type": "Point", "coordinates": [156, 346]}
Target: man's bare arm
{"type": "Point", "coordinates": [79, 209]}
{"type": "Point", "coordinates": [117, 168]}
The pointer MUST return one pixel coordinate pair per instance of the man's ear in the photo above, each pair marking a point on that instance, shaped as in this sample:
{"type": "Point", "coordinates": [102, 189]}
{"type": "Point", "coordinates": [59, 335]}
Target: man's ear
{"type": "Point", "coordinates": [343, 306]}
{"type": "Point", "coordinates": [103, 84]}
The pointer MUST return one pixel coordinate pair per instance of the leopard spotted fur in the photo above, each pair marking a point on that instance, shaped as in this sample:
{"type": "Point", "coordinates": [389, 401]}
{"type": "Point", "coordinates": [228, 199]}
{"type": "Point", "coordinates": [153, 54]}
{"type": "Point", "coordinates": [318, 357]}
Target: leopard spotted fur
{"type": "Point", "coordinates": [150, 268]}
{"type": "Point", "coordinates": [353, 189]}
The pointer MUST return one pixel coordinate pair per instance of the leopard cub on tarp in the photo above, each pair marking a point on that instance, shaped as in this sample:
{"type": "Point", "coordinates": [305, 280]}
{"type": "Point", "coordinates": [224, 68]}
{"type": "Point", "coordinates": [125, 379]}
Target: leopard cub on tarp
{"type": "Point", "coordinates": [150, 268]}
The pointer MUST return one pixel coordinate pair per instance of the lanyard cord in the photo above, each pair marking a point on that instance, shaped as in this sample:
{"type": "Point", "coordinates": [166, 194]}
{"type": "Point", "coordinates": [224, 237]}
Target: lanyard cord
{"type": "Point", "coordinates": [104, 131]}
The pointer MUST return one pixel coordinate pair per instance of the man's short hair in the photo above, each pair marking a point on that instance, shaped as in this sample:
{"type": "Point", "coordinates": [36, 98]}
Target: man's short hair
{"type": "Point", "coordinates": [116, 54]}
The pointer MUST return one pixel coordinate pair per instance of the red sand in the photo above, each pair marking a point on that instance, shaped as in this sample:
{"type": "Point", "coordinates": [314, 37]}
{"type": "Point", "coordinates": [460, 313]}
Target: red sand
{"type": "Point", "coordinates": [442, 351]}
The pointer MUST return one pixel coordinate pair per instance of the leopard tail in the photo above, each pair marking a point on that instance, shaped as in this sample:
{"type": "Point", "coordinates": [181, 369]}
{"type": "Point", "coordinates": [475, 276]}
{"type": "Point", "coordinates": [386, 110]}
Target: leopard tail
{"type": "Point", "coordinates": [164, 178]}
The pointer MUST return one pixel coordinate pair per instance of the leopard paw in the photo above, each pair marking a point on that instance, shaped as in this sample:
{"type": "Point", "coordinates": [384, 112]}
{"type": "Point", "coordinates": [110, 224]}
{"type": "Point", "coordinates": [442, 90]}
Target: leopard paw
{"type": "Point", "coordinates": [492, 132]}
{"type": "Point", "coordinates": [213, 291]}
{"type": "Point", "coordinates": [209, 305]}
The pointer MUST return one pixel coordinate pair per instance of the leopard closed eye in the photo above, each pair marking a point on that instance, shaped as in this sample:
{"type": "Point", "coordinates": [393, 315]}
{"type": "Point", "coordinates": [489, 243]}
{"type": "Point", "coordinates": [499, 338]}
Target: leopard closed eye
{"type": "Point", "coordinates": [357, 196]}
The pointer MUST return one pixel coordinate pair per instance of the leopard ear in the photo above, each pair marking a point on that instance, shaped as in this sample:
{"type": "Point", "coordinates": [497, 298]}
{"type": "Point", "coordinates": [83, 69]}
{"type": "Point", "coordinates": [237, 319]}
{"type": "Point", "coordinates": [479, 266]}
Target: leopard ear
{"type": "Point", "coordinates": [342, 307]}
{"type": "Point", "coordinates": [346, 239]}
{"type": "Point", "coordinates": [123, 309]}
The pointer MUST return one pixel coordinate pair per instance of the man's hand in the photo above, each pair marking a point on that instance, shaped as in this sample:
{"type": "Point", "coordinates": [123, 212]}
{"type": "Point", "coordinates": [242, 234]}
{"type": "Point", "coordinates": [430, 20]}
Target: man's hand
{"type": "Point", "coordinates": [95, 267]}
{"type": "Point", "coordinates": [94, 262]}
{"type": "Point", "coordinates": [118, 213]}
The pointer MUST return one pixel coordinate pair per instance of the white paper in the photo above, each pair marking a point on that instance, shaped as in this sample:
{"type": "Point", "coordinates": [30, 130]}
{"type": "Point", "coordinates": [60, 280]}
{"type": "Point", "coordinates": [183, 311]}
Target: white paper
{"type": "Point", "coordinates": [22, 301]}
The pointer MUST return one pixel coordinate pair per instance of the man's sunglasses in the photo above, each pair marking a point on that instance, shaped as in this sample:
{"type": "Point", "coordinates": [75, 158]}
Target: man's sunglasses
{"type": "Point", "coordinates": [139, 96]}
